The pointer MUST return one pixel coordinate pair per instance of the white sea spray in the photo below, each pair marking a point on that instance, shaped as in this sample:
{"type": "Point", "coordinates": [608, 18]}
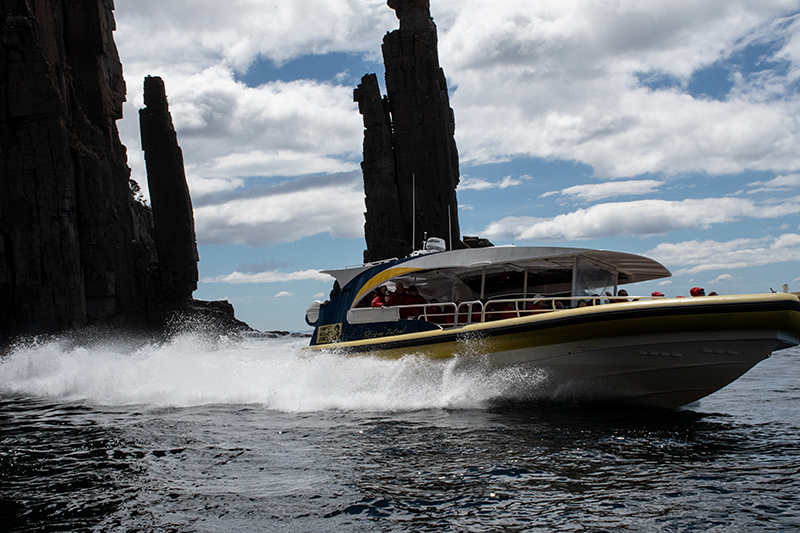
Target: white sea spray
{"type": "Point", "coordinates": [194, 369]}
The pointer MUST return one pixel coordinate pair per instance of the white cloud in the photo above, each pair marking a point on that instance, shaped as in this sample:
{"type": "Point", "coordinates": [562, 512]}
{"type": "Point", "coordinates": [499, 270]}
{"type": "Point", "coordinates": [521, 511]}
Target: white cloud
{"type": "Point", "coordinates": [722, 278]}
{"type": "Point", "coordinates": [481, 184]}
{"type": "Point", "coordinates": [476, 184]}
{"type": "Point", "coordinates": [788, 241]}
{"type": "Point", "coordinates": [779, 183]}
{"type": "Point", "coordinates": [278, 163]}
{"type": "Point", "coordinates": [267, 277]}
{"type": "Point", "coordinates": [284, 213]}
{"type": "Point", "coordinates": [600, 191]}
{"type": "Point", "coordinates": [643, 217]}
{"type": "Point", "coordinates": [228, 130]}
{"type": "Point", "coordinates": [193, 33]}
{"type": "Point", "coordinates": [701, 256]}
{"type": "Point", "coordinates": [570, 85]}
{"type": "Point", "coordinates": [283, 294]}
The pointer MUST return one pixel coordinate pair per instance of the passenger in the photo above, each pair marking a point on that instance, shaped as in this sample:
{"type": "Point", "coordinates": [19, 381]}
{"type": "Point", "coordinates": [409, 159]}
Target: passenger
{"type": "Point", "coordinates": [712, 293]}
{"type": "Point", "coordinates": [413, 297]}
{"type": "Point", "coordinates": [583, 303]}
{"type": "Point", "coordinates": [469, 313]}
{"type": "Point", "coordinates": [381, 297]}
{"type": "Point", "coordinates": [621, 292]}
{"type": "Point", "coordinates": [538, 305]}
{"type": "Point", "coordinates": [492, 311]}
{"type": "Point", "coordinates": [448, 314]}
{"type": "Point", "coordinates": [336, 290]}
{"type": "Point", "coordinates": [433, 313]}
{"type": "Point", "coordinates": [697, 291]}
{"type": "Point", "coordinates": [399, 296]}
{"type": "Point", "coordinates": [462, 312]}
{"type": "Point", "coordinates": [508, 311]}
{"type": "Point", "coordinates": [500, 311]}
{"type": "Point", "coordinates": [656, 294]}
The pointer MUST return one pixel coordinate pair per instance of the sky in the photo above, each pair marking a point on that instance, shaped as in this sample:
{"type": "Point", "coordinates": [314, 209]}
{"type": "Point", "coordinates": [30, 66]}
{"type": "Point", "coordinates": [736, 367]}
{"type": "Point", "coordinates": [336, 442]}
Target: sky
{"type": "Point", "coordinates": [667, 128]}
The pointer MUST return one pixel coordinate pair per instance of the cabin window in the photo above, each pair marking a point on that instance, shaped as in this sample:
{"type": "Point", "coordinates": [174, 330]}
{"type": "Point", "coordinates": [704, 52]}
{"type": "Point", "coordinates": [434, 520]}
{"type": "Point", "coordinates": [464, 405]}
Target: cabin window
{"type": "Point", "coordinates": [591, 278]}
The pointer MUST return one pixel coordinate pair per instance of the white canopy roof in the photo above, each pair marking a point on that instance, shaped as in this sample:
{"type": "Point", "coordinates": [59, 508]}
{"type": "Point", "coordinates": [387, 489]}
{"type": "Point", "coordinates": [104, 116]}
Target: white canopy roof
{"type": "Point", "coordinates": [633, 268]}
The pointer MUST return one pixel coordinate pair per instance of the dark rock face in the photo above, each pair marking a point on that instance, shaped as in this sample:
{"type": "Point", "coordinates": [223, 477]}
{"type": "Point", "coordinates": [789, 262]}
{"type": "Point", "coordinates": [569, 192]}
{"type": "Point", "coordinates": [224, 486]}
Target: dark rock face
{"type": "Point", "coordinates": [66, 219]}
{"type": "Point", "coordinates": [385, 227]}
{"type": "Point", "coordinates": [169, 195]}
{"type": "Point", "coordinates": [476, 242]}
{"type": "Point", "coordinates": [76, 248]}
{"type": "Point", "coordinates": [410, 162]}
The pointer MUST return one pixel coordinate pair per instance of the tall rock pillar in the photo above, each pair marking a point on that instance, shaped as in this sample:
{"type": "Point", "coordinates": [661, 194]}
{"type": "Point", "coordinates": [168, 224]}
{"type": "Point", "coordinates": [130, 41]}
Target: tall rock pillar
{"type": "Point", "coordinates": [173, 218]}
{"type": "Point", "coordinates": [385, 229]}
{"type": "Point", "coordinates": [410, 155]}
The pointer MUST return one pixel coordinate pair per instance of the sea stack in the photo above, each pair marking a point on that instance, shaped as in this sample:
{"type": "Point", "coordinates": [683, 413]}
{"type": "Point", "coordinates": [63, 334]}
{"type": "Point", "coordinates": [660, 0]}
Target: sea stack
{"type": "Point", "coordinates": [410, 164]}
{"type": "Point", "coordinates": [169, 197]}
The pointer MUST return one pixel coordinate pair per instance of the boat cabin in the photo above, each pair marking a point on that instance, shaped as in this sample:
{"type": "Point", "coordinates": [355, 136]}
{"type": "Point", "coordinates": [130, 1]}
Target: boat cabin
{"type": "Point", "coordinates": [462, 287]}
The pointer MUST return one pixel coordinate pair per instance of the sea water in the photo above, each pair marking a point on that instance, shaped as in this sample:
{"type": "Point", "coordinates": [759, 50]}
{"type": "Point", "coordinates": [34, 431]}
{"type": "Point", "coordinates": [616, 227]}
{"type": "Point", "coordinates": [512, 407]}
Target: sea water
{"type": "Point", "coordinates": [215, 433]}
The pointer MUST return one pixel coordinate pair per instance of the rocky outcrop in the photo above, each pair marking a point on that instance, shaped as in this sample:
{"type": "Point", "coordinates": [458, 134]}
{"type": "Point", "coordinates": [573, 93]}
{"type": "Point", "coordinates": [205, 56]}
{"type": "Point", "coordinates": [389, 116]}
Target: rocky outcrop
{"type": "Point", "coordinates": [66, 219]}
{"type": "Point", "coordinates": [410, 162]}
{"type": "Point", "coordinates": [385, 228]}
{"type": "Point", "coordinates": [76, 247]}
{"type": "Point", "coordinates": [169, 197]}
{"type": "Point", "coordinates": [476, 242]}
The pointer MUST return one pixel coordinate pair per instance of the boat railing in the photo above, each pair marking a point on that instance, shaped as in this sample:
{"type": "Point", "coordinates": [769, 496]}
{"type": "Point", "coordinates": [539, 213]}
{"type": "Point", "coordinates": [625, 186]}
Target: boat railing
{"type": "Point", "coordinates": [450, 314]}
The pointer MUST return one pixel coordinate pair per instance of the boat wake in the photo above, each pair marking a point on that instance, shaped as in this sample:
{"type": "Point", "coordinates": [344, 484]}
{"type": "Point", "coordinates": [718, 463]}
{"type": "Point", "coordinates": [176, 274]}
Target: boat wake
{"type": "Point", "coordinates": [192, 369]}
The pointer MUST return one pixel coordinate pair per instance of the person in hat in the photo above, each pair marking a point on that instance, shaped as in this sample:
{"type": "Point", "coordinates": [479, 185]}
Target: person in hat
{"type": "Point", "coordinates": [697, 291]}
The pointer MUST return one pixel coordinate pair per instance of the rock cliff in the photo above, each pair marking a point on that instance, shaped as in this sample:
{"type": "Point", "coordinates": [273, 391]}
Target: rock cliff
{"type": "Point", "coordinates": [76, 248]}
{"type": "Point", "coordinates": [410, 162]}
{"type": "Point", "coordinates": [66, 219]}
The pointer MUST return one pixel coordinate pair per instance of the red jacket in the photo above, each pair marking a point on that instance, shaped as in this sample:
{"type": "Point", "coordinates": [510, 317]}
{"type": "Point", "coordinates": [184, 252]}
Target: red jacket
{"type": "Point", "coordinates": [414, 312]}
{"type": "Point", "coordinates": [398, 299]}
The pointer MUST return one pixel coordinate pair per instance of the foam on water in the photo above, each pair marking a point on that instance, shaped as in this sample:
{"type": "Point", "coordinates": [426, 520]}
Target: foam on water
{"type": "Point", "coordinates": [194, 369]}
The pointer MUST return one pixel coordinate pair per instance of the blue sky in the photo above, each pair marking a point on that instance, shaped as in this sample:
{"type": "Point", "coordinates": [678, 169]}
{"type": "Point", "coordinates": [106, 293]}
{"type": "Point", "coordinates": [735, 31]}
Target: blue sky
{"type": "Point", "coordinates": [666, 128]}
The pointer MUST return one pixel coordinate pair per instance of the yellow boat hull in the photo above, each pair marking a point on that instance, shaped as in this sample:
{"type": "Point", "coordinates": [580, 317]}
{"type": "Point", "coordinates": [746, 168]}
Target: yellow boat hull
{"type": "Point", "coordinates": [664, 353]}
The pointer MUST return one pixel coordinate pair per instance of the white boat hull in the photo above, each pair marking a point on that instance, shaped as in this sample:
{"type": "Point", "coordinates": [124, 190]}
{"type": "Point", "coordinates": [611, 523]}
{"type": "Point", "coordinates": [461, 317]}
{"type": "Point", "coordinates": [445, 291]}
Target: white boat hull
{"type": "Point", "coordinates": [652, 353]}
{"type": "Point", "coordinates": [669, 372]}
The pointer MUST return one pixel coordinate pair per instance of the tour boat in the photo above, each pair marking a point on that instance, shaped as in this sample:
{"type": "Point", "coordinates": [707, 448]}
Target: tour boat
{"type": "Point", "coordinates": [557, 315]}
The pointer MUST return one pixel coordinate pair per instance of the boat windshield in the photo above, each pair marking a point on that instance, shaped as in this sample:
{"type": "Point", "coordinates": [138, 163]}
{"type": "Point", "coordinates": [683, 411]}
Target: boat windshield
{"type": "Point", "coordinates": [591, 278]}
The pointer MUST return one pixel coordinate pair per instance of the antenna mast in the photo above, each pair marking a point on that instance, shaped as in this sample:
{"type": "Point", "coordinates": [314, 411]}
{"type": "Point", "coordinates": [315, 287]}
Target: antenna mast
{"type": "Point", "coordinates": [413, 211]}
{"type": "Point", "coordinates": [449, 228]}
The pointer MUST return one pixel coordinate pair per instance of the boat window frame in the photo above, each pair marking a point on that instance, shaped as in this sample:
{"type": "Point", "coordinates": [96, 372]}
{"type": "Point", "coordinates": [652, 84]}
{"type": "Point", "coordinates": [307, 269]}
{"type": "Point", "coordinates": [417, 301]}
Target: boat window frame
{"type": "Point", "coordinates": [606, 266]}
